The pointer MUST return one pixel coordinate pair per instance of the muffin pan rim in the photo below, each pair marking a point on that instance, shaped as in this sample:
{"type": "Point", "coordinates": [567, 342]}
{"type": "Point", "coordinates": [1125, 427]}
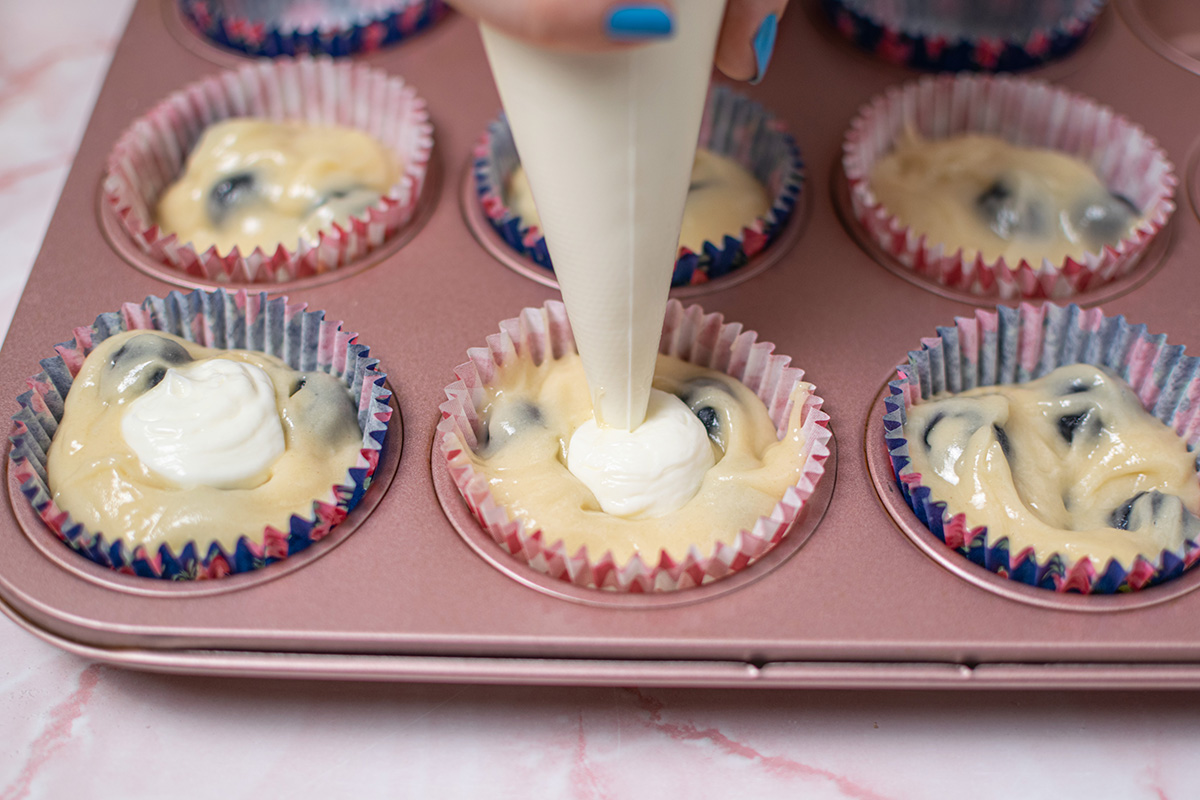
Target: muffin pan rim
{"type": "Point", "coordinates": [848, 600]}
{"type": "Point", "coordinates": [1131, 13]}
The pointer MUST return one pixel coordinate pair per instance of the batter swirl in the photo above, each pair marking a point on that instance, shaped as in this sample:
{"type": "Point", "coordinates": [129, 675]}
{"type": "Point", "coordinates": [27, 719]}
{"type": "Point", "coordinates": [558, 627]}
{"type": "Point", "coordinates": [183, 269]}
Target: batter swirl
{"type": "Point", "coordinates": [1069, 464]}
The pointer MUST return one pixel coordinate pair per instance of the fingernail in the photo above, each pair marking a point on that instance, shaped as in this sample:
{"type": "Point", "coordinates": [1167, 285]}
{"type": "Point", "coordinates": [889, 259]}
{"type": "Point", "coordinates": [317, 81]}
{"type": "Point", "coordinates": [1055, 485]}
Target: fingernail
{"type": "Point", "coordinates": [633, 23]}
{"type": "Point", "coordinates": [764, 46]}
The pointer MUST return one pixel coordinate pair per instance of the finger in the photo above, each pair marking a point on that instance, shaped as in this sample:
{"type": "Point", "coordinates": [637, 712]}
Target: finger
{"type": "Point", "coordinates": [586, 25]}
{"type": "Point", "coordinates": [748, 38]}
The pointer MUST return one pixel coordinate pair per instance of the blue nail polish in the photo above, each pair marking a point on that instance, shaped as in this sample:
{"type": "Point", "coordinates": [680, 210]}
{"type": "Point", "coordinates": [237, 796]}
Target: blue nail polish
{"type": "Point", "coordinates": [764, 46]}
{"type": "Point", "coordinates": [633, 23]}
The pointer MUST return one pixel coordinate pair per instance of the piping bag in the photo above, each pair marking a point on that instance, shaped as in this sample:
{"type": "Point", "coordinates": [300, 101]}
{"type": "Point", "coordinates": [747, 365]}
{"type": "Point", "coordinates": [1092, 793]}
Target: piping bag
{"type": "Point", "coordinates": [607, 141]}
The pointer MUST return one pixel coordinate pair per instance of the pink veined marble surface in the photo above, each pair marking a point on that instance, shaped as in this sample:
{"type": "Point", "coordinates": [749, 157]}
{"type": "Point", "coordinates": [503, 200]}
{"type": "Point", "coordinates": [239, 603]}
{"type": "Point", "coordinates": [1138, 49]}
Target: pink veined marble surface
{"type": "Point", "coordinates": [69, 728]}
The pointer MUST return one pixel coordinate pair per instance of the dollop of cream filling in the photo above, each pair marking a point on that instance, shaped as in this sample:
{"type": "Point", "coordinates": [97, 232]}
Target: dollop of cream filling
{"type": "Point", "coordinates": [649, 471]}
{"type": "Point", "coordinates": [209, 411]}
{"type": "Point", "coordinates": [207, 423]}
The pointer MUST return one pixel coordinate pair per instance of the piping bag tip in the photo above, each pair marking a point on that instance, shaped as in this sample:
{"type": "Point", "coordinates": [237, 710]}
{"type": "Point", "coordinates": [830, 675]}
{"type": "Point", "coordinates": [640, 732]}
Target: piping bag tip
{"type": "Point", "coordinates": [607, 141]}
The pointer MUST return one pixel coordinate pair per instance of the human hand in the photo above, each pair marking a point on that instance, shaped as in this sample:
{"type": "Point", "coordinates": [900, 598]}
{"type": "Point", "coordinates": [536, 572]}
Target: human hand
{"type": "Point", "coordinates": [744, 45]}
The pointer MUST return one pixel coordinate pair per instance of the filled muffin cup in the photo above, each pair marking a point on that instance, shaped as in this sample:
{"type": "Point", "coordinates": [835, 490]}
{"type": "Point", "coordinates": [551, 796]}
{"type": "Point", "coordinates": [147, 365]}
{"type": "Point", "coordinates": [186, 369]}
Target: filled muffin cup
{"type": "Point", "coordinates": [733, 126]}
{"type": "Point", "coordinates": [303, 339]}
{"type": "Point", "coordinates": [960, 35]}
{"type": "Point", "coordinates": [688, 334]}
{"type": "Point", "coordinates": [1017, 345]}
{"type": "Point", "coordinates": [153, 152]}
{"type": "Point", "coordinates": [272, 28]}
{"type": "Point", "coordinates": [1021, 112]}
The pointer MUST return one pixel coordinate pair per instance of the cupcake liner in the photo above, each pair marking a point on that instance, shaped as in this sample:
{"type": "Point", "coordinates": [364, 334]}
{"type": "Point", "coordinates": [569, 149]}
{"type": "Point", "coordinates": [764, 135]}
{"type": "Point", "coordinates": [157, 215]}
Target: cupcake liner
{"type": "Point", "coordinates": [152, 153]}
{"type": "Point", "coordinates": [1026, 113]}
{"type": "Point", "coordinates": [271, 28]}
{"type": "Point", "coordinates": [689, 334]}
{"type": "Point", "coordinates": [1016, 345]}
{"type": "Point", "coordinates": [959, 35]}
{"type": "Point", "coordinates": [304, 339]}
{"type": "Point", "coordinates": [733, 126]}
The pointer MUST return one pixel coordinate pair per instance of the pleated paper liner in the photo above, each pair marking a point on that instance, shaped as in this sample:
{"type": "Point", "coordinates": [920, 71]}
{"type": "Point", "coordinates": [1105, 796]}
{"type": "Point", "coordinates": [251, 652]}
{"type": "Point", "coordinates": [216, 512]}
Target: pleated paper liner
{"type": "Point", "coordinates": [304, 339]}
{"type": "Point", "coordinates": [1016, 345]}
{"type": "Point", "coordinates": [689, 334]}
{"type": "Point", "coordinates": [1026, 113]}
{"type": "Point", "coordinates": [152, 153]}
{"type": "Point", "coordinates": [272, 28]}
{"type": "Point", "coordinates": [965, 35]}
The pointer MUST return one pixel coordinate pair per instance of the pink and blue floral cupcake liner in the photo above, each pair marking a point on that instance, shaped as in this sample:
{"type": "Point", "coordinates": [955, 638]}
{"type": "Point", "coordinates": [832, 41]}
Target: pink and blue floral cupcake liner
{"type": "Point", "coordinates": [733, 126]}
{"type": "Point", "coordinates": [1015, 345]}
{"type": "Point", "coordinates": [272, 28]}
{"type": "Point", "coordinates": [688, 334]}
{"type": "Point", "coordinates": [304, 339]}
{"type": "Point", "coordinates": [947, 35]}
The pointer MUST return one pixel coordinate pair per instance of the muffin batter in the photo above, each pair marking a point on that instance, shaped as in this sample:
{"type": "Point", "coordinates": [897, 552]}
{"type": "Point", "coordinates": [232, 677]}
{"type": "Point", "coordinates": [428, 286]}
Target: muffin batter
{"type": "Point", "coordinates": [531, 412]}
{"type": "Point", "coordinates": [257, 183]}
{"type": "Point", "coordinates": [163, 442]}
{"type": "Point", "coordinates": [723, 198]}
{"type": "Point", "coordinates": [986, 196]}
{"type": "Point", "coordinates": [1069, 463]}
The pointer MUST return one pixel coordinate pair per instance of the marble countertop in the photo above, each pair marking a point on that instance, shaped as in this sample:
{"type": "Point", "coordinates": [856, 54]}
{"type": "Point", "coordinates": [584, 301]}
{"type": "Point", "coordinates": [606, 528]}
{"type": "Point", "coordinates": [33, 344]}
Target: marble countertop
{"type": "Point", "coordinates": [72, 728]}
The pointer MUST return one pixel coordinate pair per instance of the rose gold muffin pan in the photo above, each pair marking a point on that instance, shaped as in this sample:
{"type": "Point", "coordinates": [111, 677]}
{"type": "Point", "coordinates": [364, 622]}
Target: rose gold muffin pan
{"type": "Point", "coordinates": [859, 595]}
